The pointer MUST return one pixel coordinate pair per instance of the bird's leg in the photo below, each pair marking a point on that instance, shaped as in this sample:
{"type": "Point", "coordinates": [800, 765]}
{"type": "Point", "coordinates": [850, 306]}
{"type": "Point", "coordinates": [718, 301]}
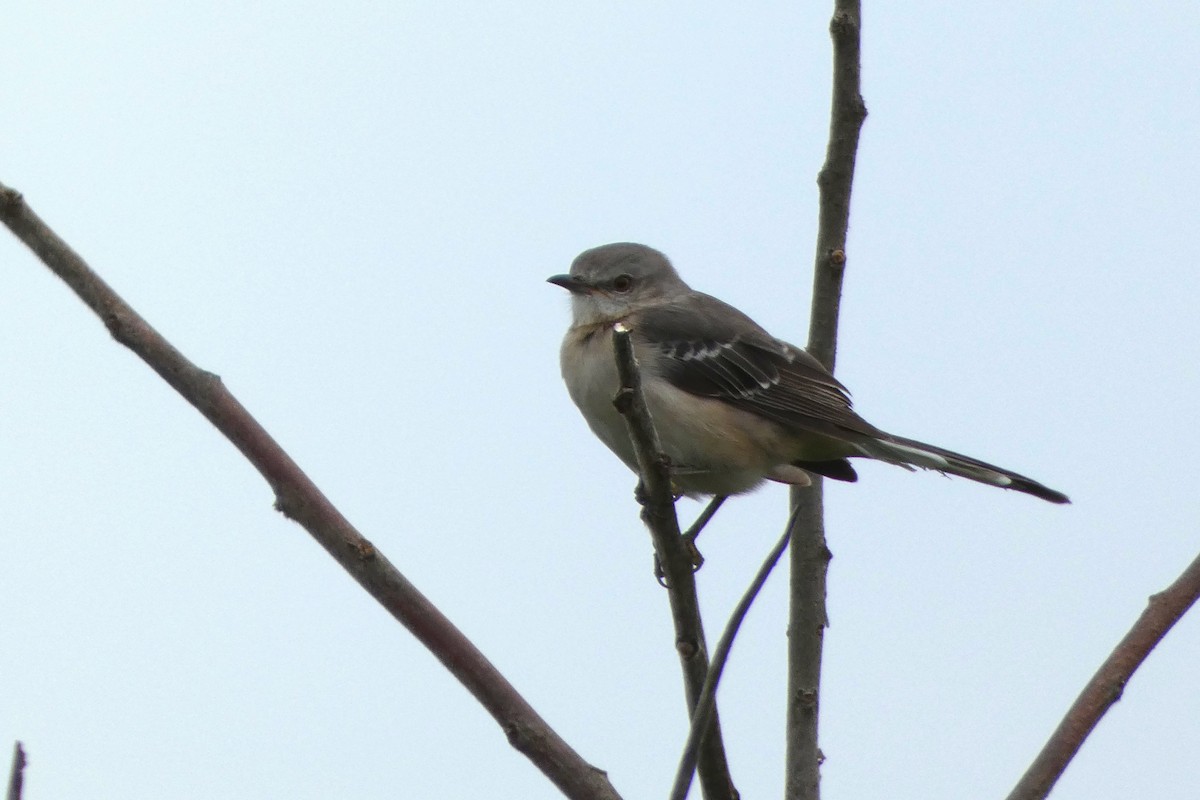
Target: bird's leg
{"type": "Point", "coordinates": [642, 495]}
{"type": "Point", "coordinates": [689, 538]}
{"type": "Point", "coordinates": [693, 532]}
{"type": "Point", "coordinates": [694, 555]}
{"type": "Point", "coordinates": [659, 575]}
{"type": "Point", "coordinates": [706, 515]}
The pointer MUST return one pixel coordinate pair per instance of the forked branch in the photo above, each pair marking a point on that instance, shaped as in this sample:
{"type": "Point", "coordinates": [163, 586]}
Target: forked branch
{"type": "Point", "coordinates": [708, 697]}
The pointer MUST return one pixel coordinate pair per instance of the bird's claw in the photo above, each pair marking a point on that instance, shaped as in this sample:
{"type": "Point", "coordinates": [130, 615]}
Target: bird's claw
{"type": "Point", "coordinates": [689, 545]}
{"type": "Point", "coordinates": [694, 556]}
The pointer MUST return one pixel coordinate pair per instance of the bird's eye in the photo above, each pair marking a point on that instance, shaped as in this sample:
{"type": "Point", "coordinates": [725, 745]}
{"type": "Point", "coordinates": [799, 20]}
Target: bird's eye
{"type": "Point", "coordinates": [622, 283]}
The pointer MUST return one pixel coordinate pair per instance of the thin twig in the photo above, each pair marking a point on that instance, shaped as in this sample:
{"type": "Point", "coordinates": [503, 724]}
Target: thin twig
{"type": "Point", "coordinates": [810, 556]}
{"type": "Point", "coordinates": [1106, 686]}
{"type": "Point", "coordinates": [658, 512]}
{"type": "Point", "coordinates": [710, 511]}
{"type": "Point", "coordinates": [298, 498]}
{"type": "Point", "coordinates": [708, 697]}
{"type": "Point", "coordinates": [16, 777]}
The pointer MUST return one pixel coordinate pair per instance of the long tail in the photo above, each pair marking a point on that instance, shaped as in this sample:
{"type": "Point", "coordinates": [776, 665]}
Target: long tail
{"type": "Point", "coordinates": [910, 453]}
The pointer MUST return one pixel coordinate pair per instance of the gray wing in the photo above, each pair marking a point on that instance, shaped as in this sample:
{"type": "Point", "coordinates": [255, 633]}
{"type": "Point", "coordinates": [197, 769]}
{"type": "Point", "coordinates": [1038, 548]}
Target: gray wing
{"type": "Point", "coordinates": [711, 349]}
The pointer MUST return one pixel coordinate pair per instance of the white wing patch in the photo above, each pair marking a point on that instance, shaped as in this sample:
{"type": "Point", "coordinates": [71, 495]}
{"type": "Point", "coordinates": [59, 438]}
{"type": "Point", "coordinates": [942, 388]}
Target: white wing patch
{"type": "Point", "coordinates": [725, 362]}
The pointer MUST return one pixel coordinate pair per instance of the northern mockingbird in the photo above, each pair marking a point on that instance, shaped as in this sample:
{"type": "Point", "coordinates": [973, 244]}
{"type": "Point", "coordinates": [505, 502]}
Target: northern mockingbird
{"type": "Point", "coordinates": [733, 405]}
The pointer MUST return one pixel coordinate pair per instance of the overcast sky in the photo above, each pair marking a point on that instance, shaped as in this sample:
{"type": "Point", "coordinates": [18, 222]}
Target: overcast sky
{"type": "Point", "coordinates": [348, 211]}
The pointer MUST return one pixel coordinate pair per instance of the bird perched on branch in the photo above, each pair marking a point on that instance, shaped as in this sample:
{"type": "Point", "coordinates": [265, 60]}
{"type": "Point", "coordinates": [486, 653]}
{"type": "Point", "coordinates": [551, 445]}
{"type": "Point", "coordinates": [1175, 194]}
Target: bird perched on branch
{"type": "Point", "coordinates": [733, 405]}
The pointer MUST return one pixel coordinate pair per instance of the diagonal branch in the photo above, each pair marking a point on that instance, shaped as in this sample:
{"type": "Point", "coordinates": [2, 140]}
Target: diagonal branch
{"type": "Point", "coordinates": [658, 512]}
{"type": "Point", "coordinates": [810, 555]}
{"type": "Point", "coordinates": [1106, 686]}
{"type": "Point", "coordinates": [696, 528]}
{"type": "Point", "coordinates": [298, 497]}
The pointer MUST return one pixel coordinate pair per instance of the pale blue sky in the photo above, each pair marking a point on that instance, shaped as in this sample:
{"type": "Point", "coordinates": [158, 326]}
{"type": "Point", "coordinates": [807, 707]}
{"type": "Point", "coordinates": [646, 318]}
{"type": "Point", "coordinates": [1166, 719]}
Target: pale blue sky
{"type": "Point", "coordinates": [348, 212]}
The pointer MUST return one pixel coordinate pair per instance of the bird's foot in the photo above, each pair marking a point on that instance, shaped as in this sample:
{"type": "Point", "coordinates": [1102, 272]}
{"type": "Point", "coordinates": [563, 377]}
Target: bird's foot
{"type": "Point", "coordinates": [693, 554]}
{"type": "Point", "coordinates": [642, 495]}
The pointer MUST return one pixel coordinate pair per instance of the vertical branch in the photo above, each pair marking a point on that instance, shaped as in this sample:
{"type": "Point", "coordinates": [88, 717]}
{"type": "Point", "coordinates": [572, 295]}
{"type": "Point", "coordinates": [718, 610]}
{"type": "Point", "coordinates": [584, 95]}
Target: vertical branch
{"type": "Point", "coordinates": [658, 512]}
{"type": "Point", "coordinates": [810, 555]}
{"type": "Point", "coordinates": [806, 636]}
{"type": "Point", "coordinates": [16, 778]}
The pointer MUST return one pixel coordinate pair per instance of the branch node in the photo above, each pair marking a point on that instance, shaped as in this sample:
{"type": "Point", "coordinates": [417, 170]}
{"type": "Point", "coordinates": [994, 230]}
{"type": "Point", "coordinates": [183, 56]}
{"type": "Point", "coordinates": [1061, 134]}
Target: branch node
{"type": "Point", "coordinates": [843, 26]}
{"type": "Point", "coordinates": [859, 108]}
{"type": "Point", "coordinates": [519, 736]}
{"type": "Point", "coordinates": [623, 400]}
{"type": "Point", "coordinates": [365, 550]}
{"type": "Point", "coordinates": [290, 504]}
{"type": "Point", "coordinates": [10, 200]}
{"type": "Point", "coordinates": [116, 327]}
{"type": "Point", "coordinates": [687, 649]}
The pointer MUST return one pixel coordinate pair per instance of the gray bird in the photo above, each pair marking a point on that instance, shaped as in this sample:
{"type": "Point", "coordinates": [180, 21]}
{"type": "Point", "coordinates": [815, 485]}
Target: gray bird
{"type": "Point", "coordinates": [733, 405]}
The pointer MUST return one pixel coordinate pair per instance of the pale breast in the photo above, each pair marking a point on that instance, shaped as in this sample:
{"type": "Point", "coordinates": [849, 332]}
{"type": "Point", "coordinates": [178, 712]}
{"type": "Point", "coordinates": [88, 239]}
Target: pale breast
{"type": "Point", "coordinates": [589, 370]}
{"type": "Point", "coordinates": [715, 447]}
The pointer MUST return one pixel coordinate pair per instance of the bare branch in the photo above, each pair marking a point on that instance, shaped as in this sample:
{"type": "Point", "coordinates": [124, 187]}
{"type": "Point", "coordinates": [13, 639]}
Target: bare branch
{"type": "Point", "coordinates": [1106, 686]}
{"type": "Point", "coordinates": [298, 498]}
{"type": "Point", "coordinates": [806, 635]}
{"type": "Point", "coordinates": [16, 777]}
{"type": "Point", "coordinates": [708, 696]}
{"type": "Point", "coordinates": [810, 555]}
{"type": "Point", "coordinates": [658, 512]}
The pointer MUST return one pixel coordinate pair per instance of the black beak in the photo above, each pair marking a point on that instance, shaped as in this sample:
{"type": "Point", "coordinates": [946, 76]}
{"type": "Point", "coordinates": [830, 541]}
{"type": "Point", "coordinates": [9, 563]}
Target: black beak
{"type": "Point", "coordinates": [572, 283]}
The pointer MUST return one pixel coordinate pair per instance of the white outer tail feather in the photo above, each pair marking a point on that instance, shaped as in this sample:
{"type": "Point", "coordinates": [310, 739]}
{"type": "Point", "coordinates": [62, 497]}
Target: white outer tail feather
{"type": "Point", "coordinates": [912, 455]}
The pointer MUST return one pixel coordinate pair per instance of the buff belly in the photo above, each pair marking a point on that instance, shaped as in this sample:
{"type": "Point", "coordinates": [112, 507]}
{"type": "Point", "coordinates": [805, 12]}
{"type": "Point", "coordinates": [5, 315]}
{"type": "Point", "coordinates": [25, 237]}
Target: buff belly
{"type": "Point", "coordinates": [714, 448]}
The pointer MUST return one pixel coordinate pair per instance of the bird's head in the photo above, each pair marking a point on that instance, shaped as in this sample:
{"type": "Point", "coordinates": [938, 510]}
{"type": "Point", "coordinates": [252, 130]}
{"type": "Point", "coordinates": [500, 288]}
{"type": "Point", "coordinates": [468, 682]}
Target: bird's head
{"type": "Point", "coordinates": [608, 282]}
